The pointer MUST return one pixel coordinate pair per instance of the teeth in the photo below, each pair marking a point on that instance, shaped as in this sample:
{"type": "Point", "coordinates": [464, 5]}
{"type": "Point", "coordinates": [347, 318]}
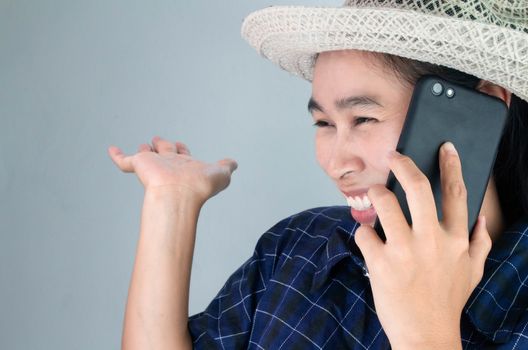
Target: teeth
{"type": "Point", "coordinates": [359, 203]}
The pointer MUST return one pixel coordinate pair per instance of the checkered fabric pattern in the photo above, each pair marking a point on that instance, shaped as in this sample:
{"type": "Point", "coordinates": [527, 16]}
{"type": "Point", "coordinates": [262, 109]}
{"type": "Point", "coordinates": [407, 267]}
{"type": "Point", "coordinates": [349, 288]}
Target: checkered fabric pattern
{"type": "Point", "coordinates": [304, 288]}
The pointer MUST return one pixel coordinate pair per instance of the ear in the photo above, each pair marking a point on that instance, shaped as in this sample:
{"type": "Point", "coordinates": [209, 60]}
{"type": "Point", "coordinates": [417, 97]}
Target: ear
{"type": "Point", "coordinates": [495, 90]}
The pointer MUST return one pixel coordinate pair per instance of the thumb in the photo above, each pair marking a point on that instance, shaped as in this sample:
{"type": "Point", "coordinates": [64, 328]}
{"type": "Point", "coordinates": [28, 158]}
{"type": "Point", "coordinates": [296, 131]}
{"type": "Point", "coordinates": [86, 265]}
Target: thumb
{"type": "Point", "coordinates": [479, 247]}
{"type": "Point", "coordinates": [228, 163]}
{"type": "Point", "coordinates": [368, 242]}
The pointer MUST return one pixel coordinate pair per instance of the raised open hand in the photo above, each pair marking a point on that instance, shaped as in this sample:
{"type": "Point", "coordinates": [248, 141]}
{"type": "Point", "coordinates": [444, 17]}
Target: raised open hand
{"type": "Point", "coordinates": [168, 164]}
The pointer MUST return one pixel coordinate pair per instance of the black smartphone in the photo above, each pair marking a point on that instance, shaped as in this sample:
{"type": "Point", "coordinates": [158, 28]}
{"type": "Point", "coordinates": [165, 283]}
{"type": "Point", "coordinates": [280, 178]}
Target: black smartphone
{"type": "Point", "coordinates": [441, 111]}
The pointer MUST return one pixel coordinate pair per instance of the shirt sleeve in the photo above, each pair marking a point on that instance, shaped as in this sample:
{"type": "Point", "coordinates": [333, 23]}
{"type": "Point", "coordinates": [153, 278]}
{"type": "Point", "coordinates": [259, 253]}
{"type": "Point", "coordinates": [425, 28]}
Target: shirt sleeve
{"type": "Point", "coordinates": [227, 321]}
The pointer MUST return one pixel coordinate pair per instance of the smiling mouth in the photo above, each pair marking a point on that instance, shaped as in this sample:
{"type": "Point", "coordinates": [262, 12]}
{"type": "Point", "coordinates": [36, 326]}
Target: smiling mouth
{"type": "Point", "coordinates": [359, 202]}
{"type": "Point", "coordinates": [367, 216]}
{"type": "Point", "coordinates": [361, 208]}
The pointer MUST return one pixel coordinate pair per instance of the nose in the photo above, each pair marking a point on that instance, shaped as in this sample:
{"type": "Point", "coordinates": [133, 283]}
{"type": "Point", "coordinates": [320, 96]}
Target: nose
{"type": "Point", "coordinates": [344, 158]}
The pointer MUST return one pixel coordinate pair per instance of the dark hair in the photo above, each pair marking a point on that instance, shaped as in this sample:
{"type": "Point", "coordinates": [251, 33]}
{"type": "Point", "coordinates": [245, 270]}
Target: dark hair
{"type": "Point", "coordinates": [511, 165]}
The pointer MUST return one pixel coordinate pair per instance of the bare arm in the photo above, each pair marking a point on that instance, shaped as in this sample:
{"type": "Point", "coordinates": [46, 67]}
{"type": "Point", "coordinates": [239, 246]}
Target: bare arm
{"type": "Point", "coordinates": [176, 187]}
{"type": "Point", "coordinates": [157, 307]}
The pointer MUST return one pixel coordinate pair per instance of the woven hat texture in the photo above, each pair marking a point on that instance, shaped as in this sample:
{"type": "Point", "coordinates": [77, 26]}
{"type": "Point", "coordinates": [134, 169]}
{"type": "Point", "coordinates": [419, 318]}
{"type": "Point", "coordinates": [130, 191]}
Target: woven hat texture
{"type": "Point", "coordinates": [485, 38]}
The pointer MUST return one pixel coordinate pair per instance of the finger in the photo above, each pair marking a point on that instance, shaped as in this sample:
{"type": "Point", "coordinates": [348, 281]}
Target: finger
{"type": "Point", "coordinates": [162, 145]}
{"type": "Point", "coordinates": [369, 243]}
{"type": "Point", "coordinates": [389, 213]}
{"type": "Point", "coordinates": [229, 164]}
{"type": "Point", "coordinates": [182, 148]}
{"type": "Point", "coordinates": [417, 189]}
{"type": "Point", "coordinates": [479, 248]}
{"type": "Point", "coordinates": [145, 148]}
{"type": "Point", "coordinates": [123, 162]}
{"type": "Point", "coordinates": [454, 195]}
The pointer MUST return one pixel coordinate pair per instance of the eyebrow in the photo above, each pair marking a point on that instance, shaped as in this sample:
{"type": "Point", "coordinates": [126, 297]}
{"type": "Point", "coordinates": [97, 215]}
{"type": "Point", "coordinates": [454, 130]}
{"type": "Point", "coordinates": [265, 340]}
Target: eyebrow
{"type": "Point", "coordinates": [346, 103]}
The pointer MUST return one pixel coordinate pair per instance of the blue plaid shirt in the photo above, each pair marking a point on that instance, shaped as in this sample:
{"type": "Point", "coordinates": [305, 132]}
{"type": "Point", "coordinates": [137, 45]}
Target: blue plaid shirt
{"type": "Point", "coordinates": [304, 288]}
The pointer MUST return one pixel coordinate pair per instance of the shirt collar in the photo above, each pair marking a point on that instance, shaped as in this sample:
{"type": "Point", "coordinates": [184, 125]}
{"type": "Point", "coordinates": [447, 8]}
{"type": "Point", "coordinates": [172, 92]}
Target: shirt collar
{"type": "Point", "coordinates": [496, 304]}
{"type": "Point", "coordinates": [340, 245]}
{"type": "Point", "coordinates": [501, 297]}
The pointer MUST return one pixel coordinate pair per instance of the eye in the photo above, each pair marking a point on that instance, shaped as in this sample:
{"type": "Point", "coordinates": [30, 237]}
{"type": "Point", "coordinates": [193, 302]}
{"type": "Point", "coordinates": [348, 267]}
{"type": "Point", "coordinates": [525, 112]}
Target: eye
{"type": "Point", "coordinates": [321, 124]}
{"type": "Point", "coordinates": [363, 120]}
{"type": "Point", "coordinates": [357, 121]}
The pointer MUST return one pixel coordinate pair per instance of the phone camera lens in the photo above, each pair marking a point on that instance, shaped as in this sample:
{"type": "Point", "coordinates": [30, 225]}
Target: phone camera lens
{"type": "Point", "coordinates": [437, 89]}
{"type": "Point", "coordinates": [450, 92]}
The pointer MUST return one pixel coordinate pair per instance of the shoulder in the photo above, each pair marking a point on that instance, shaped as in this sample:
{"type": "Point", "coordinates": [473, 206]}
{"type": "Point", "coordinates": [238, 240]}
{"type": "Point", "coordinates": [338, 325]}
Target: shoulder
{"type": "Point", "coordinates": [306, 228]}
{"type": "Point", "coordinates": [314, 218]}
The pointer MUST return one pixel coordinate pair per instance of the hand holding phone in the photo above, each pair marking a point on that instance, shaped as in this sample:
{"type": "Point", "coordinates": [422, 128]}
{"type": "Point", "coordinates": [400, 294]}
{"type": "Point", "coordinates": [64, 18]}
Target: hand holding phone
{"type": "Point", "coordinates": [441, 111]}
{"type": "Point", "coordinates": [424, 273]}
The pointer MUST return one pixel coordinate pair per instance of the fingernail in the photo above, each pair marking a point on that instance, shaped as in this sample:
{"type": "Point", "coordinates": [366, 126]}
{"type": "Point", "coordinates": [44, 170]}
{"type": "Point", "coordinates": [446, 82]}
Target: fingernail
{"type": "Point", "coordinates": [449, 147]}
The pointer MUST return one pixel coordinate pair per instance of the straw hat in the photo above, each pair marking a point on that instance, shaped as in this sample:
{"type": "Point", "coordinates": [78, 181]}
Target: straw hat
{"type": "Point", "coordinates": [485, 38]}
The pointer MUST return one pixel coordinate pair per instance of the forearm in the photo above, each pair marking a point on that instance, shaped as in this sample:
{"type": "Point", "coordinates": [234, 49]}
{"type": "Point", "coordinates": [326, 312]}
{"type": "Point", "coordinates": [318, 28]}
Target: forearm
{"type": "Point", "coordinates": [157, 308]}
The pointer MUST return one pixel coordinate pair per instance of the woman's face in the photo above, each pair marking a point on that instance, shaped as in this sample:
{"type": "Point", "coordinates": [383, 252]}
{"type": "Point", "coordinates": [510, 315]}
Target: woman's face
{"type": "Point", "coordinates": [360, 110]}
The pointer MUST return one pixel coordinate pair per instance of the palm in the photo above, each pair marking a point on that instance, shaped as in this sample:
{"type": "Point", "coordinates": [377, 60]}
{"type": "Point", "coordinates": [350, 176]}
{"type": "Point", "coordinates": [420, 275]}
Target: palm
{"type": "Point", "coordinates": [167, 164]}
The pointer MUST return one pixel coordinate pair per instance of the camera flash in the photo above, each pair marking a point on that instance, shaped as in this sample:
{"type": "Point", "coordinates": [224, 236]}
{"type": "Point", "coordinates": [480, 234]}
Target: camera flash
{"type": "Point", "coordinates": [450, 92]}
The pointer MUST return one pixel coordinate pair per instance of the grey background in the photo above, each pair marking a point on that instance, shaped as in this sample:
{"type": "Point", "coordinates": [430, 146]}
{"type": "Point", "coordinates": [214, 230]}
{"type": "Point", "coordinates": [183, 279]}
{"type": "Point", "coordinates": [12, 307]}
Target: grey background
{"type": "Point", "coordinates": [77, 77]}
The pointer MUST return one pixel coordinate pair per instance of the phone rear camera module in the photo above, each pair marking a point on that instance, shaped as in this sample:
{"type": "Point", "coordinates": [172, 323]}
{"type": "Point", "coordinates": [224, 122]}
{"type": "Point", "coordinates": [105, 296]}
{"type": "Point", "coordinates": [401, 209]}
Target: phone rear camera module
{"type": "Point", "coordinates": [450, 92]}
{"type": "Point", "coordinates": [437, 89]}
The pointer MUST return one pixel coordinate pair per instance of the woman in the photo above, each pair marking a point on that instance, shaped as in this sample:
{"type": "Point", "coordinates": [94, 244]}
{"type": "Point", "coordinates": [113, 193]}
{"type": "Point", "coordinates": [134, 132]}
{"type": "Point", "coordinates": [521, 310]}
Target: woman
{"type": "Point", "coordinates": [428, 286]}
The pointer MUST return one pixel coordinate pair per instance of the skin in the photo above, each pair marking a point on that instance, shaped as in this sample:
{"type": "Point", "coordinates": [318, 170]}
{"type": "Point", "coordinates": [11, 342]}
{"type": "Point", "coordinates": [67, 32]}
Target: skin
{"type": "Point", "coordinates": [176, 187]}
{"type": "Point", "coordinates": [353, 152]}
{"type": "Point", "coordinates": [421, 277]}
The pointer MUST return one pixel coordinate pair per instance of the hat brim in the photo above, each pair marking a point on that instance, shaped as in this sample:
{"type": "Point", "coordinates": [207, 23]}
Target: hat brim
{"type": "Point", "coordinates": [290, 36]}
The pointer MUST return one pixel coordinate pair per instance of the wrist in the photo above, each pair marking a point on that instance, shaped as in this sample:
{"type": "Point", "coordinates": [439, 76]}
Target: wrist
{"type": "Point", "coordinates": [438, 344]}
{"type": "Point", "coordinates": [169, 218]}
{"type": "Point", "coordinates": [438, 335]}
{"type": "Point", "coordinates": [181, 196]}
